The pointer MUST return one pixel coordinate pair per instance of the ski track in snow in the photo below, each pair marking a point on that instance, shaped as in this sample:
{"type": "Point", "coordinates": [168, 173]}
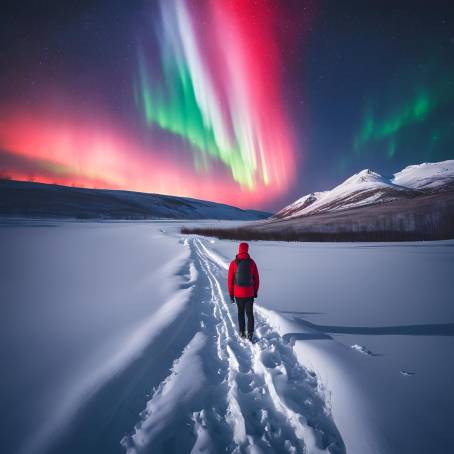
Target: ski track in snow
{"type": "Point", "coordinates": [224, 394]}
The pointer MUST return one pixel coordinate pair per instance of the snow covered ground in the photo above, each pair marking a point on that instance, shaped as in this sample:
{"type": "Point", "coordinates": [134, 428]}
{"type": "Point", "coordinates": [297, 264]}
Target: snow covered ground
{"type": "Point", "coordinates": [78, 303]}
{"type": "Point", "coordinates": [361, 316]}
{"type": "Point", "coordinates": [119, 336]}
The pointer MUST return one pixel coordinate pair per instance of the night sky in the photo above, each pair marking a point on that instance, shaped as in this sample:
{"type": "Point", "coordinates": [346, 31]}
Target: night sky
{"type": "Point", "coordinates": [253, 103]}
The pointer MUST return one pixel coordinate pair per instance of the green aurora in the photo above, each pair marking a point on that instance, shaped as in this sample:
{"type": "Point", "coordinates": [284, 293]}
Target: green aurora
{"type": "Point", "coordinates": [177, 111]}
{"type": "Point", "coordinates": [392, 131]}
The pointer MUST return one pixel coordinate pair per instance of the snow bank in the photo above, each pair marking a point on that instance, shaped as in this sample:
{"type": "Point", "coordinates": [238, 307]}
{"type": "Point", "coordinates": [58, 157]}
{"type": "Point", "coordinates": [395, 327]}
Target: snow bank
{"type": "Point", "coordinates": [339, 386]}
{"type": "Point", "coordinates": [80, 301]}
{"type": "Point", "coordinates": [185, 380]}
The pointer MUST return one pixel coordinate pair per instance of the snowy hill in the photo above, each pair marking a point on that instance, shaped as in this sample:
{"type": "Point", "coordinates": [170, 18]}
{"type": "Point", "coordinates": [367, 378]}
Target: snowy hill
{"type": "Point", "coordinates": [26, 199]}
{"type": "Point", "coordinates": [368, 188]}
{"type": "Point", "coordinates": [415, 204]}
{"type": "Point", "coordinates": [427, 175]}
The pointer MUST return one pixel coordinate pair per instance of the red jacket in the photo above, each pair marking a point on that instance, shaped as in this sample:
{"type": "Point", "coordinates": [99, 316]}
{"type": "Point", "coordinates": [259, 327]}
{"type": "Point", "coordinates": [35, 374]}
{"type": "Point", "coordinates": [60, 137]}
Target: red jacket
{"type": "Point", "coordinates": [243, 292]}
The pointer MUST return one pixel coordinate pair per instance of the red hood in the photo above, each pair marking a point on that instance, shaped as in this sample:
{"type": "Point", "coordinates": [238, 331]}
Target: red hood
{"type": "Point", "coordinates": [243, 248]}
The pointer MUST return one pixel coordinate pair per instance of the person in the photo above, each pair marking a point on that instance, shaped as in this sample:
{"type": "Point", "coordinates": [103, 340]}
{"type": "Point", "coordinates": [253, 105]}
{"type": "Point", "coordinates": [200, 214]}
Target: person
{"type": "Point", "coordinates": [243, 285]}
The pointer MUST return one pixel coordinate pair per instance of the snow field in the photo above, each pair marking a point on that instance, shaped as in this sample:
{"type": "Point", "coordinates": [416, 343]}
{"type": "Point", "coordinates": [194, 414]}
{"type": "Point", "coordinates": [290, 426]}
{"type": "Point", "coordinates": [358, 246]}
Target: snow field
{"type": "Point", "coordinates": [118, 336]}
{"type": "Point", "coordinates": [247, 397]}
{"type": "Point", "coordinates": [76, 318]}
{"type": "Point", "coordinates": [393, 302]}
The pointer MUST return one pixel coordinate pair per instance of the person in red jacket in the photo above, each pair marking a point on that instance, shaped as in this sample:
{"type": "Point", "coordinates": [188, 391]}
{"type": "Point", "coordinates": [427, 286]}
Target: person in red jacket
{"type": "Point", "coordinates": [243, 284]}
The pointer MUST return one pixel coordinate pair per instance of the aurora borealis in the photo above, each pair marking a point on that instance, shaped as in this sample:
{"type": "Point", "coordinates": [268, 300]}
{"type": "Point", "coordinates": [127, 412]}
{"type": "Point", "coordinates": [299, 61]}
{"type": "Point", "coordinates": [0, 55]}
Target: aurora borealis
{"type": "Point", "coordinates": [212, 90]}
{"type": "Point", "coordinates": [417, 110]}
{"type": "Point", "coordinates": [251, 103]}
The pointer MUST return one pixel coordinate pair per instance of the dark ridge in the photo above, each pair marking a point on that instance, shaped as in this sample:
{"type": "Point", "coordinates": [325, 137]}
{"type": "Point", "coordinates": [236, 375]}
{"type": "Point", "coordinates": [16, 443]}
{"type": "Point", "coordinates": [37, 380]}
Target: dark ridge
{"type": "Point", "coordinates": [39, 200]}
{"type": "Point", "coordinates": [247, 234]}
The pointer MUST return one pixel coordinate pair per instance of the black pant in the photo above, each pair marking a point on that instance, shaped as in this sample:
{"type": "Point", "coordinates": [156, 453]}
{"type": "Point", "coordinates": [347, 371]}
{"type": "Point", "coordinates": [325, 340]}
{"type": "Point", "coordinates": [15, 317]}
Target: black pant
{"type": "Point", "coordinates": [245, 305]}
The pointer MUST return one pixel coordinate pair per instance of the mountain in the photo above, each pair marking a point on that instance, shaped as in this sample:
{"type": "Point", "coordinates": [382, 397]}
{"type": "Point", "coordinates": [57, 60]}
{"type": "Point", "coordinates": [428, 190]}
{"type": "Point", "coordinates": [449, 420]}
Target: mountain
{"type": "Point", "coordinates": [39, 200]}
{"type": "Point", "coordinates": [417, 203]}
{"type": "Point", "coordinates": [369, 188]}
{"type": "Point", "coordinates": [433, 176]}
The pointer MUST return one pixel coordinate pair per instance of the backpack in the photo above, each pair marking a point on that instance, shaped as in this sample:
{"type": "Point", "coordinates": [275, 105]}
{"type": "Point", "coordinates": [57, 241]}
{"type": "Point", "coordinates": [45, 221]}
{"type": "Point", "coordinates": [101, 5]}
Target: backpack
{"type": "Point", "coordinates": [243, 276]}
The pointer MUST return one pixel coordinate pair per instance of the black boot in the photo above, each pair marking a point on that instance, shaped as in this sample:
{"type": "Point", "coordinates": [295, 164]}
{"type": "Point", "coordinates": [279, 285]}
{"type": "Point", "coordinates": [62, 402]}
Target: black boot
{"type": "Point", "coordinates": [242, 334]}
{"type": "Point", "coordinates": [250, 336]}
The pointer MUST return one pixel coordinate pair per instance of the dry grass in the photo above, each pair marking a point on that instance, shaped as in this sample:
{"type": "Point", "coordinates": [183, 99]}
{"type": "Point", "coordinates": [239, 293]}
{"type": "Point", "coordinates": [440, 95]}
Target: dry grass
{"type": "Point", "coordinates": [249, 234]}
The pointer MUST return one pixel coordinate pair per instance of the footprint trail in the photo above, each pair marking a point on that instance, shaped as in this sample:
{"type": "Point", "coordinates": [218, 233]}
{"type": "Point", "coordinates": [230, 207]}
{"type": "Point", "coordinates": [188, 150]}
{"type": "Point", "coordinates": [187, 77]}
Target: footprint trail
{"type": "Point", "coordinates": [225, 394]}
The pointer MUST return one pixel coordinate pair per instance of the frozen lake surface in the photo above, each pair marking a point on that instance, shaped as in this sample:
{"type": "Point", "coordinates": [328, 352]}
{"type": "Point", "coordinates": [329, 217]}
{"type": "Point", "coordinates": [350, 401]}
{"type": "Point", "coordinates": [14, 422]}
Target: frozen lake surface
{"type": "Point", "coordinates": [119, 336]}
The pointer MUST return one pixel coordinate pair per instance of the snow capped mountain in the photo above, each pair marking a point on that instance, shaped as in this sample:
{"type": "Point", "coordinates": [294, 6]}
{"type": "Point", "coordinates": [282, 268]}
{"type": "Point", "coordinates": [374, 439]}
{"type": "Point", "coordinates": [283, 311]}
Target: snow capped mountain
{"type": "Point", "coordinates": [368, 187]}
{"type": "Point", "coordinates": [426, 175]}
